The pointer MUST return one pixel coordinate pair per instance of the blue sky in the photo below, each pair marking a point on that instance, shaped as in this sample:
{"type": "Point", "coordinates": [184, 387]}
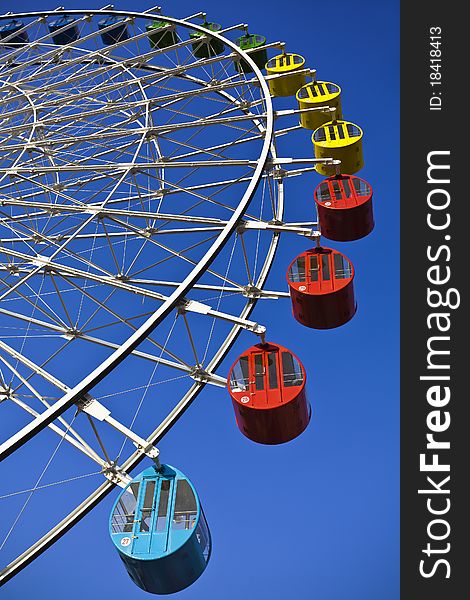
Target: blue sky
{"type": "Point", "coordinates": [317, 518]}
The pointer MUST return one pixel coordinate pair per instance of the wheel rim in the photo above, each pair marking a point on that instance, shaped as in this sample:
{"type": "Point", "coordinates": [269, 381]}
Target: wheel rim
{"type": "Point", "coordinates": [168, 305]}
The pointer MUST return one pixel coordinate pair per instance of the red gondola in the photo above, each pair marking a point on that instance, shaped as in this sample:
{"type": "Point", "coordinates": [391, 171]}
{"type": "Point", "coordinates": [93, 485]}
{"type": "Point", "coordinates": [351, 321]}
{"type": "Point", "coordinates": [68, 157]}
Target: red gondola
{"type": "Point", "coordinates": [267, 387]}
{"type": "Point", "coordinates": [344, 204]}
{"type": "Point", "coordinates": [321, 288]}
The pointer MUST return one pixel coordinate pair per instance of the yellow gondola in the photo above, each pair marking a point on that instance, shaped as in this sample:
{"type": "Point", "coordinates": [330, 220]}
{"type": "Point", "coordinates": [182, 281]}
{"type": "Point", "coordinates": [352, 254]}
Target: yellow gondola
{"type": "Point", "coordinates": [315, 95]}
{"type": "Point", "coordinates": [285, 64]}
{"type": "Point", "coordinates": [342, 141]}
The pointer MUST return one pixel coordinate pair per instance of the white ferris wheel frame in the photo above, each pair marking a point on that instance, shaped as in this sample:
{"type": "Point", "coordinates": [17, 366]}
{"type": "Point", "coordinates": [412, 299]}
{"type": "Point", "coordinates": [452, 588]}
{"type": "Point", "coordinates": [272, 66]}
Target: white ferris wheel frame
{"type": "Point", "coordinates": [267, 164]}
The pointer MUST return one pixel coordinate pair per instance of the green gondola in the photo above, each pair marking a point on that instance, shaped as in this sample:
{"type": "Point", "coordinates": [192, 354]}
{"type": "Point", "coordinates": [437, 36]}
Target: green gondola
{"type": "Point", "coordinates": [161, 34]}
{"type": "Point", "coordinates": [260, 57]}
{"type": "Point", "coordinates": [210, 47]}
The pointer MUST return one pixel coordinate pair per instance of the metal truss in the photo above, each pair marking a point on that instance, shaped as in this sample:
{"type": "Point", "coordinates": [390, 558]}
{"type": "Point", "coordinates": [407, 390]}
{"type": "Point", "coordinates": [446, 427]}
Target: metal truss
{"type": "Point", "coordinates": [141, 206]}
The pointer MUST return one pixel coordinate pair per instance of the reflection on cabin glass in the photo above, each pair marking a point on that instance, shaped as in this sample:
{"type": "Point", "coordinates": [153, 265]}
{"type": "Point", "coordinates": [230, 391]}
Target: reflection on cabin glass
{"type": "Point", "coordinates": [291, 370]}
{"type": "Point", "coordinates": [297, 270]}
{"type": "Point", "coordinates": [239, 375]}
{"type": "Point", "coordinates": [124, 514]}
{"type": "Point", "coordinates": [163, 506]}
{"type": "Point", "coordinates": [146, 513]}
{"type": "Point", "coordinates": [184, 515]}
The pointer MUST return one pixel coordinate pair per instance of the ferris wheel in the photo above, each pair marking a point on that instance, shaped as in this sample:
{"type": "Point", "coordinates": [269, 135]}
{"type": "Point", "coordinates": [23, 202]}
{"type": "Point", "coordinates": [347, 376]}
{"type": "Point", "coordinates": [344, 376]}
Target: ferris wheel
{"type": "Point", "coordinates": [142, 196]}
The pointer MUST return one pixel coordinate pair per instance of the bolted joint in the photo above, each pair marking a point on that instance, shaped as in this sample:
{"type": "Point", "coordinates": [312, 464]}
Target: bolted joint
{"type": "Point", "coordinates": [182, 306]}
{"type": "Point", "coordinates": [199, 374]}
{"type": "Point", "coordinates": [202, 376]}
{"type": "Point", "coordinates": [251, 291]}
{"type": "Point", "coordinates": [312, 234]}
{"type": "Point", "coordinates": [258, 329]}
{"type": "Point", "coordinates": [151, 135]}
{"type": "Point", "coordinates": [38, 238]}
{"type": "Point", "coordinates": [241, 227]}
{"type": "Point", "coordinates": [160, 193]}
{"type": "Point", "coordinates": [13, 269]}
{"type": "Point", "coordinates": [148, 232]}
{"type": "Point", "coordinates": [150, 451]}
{"type": "Point", "coordinates": [278, 174]}
{"type": "Point", "coordinates": [116, 475]}
{"type": "Point", "coordinates": [71, 333]}
{"type": "Point", "coordinates": [244, 104]}
{"type": "Point", "coordinates": [6, 393]}
{"type": "Point", "coordinates": [271, 167]}
{"type": "Point", "coordinates": [85, 402]}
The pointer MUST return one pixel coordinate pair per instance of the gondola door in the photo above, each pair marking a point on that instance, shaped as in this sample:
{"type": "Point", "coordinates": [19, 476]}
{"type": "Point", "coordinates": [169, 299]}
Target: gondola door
{"type": "Point", "coordinates": [319, 275]}
{"type": "Point", "coordinates": [152, 524]}
{"type": "Point", "coordinates": [161, 529]}
{"type": "Point", "coordinates": [265, 382]}
{"type": "Point", "coordinates": [145, 517]}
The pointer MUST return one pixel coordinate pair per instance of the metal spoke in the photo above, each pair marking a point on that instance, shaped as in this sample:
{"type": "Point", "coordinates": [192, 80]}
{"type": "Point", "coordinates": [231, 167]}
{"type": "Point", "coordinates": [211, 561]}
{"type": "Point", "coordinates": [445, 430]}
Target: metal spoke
{"type": "Point", "coordinates": [112, 197]}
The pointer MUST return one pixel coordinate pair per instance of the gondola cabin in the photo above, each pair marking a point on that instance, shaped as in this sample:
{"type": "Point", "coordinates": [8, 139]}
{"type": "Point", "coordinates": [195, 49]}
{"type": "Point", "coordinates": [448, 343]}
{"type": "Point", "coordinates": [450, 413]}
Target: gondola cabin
{"type": "Point", "coordinates": [318, 94]}
{"type": "Point", "coordinates": [63, 30]}
{"type": "Point", "coordinates": [344, 205]}
{"type": "Point", "coordinates": [116, 30]}
{"type": "Point", "coordinates": [321, 288]}
{"type": "Point", "coordinates": [342, 141]}
{"type": "Point", "coordinates": [161, 34]}
{"type": "Point", "coordinates": [286, 66]}
{"type": "Point", "coordinates": [267, 388]}
{"type": "Point", "coordinates": [207, 48]}
{"type": "Point", "coordinates": [259, 54]}
{"type": "Point", "coordinates": [12, 34]}
{"type": "Point", "coordinates": [159, 530]}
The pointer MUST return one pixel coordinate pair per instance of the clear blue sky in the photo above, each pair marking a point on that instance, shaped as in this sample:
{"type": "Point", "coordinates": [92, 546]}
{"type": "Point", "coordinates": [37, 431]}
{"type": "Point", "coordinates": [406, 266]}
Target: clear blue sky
{"type": "Point", "coordinates": [317, 518]}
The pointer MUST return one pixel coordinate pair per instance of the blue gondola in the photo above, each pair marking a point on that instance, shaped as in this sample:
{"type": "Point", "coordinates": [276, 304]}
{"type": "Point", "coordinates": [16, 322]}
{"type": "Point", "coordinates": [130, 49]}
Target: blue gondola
{"type": "Point", "coordinates": [117, 33]}
{"type": "Point", "coordinates": [9, 29]}
{"type": "Point", "coordinates": [159, 530]}
{"type": "Point", "coordinates": [67, 36]}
